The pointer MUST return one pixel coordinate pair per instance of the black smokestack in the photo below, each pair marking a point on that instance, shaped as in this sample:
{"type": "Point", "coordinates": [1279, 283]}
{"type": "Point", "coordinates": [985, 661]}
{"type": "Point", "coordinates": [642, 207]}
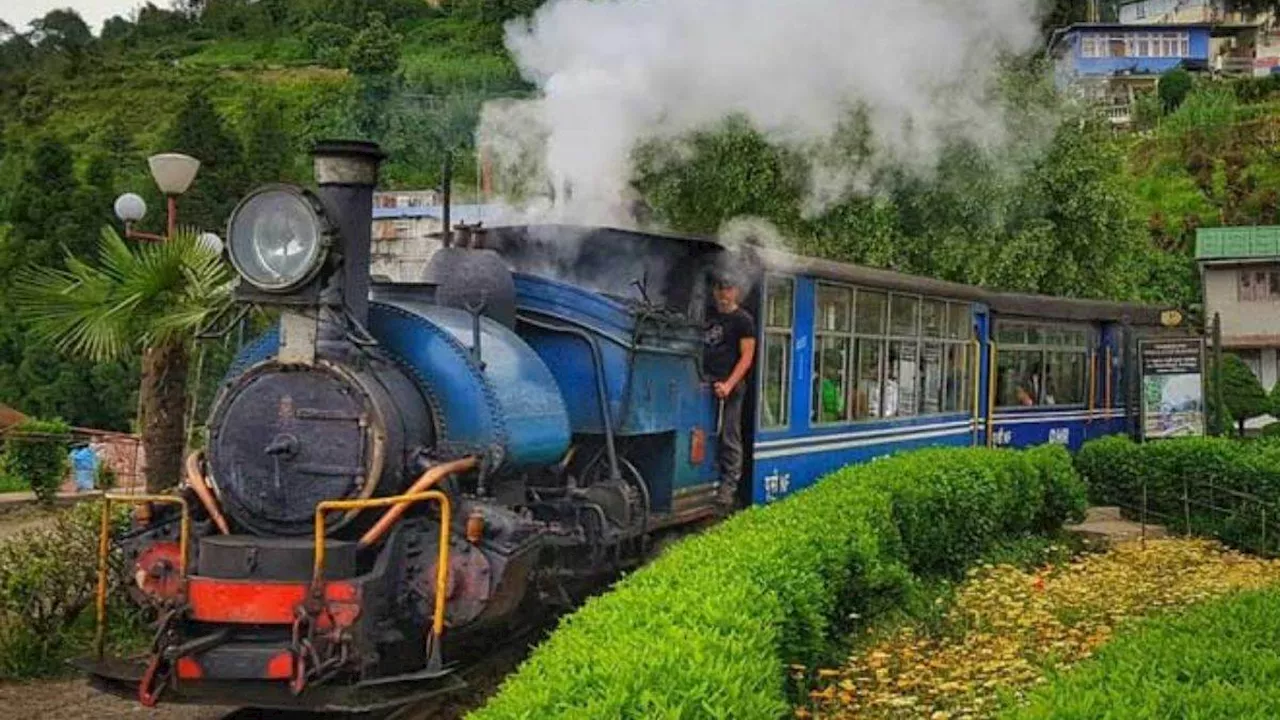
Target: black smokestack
{"type": "Point", "coordinates": [346, 173]}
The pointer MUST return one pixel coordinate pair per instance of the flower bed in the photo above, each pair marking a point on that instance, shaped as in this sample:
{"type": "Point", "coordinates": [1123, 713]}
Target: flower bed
{"type": "Point", "coordinates": [708, 629]}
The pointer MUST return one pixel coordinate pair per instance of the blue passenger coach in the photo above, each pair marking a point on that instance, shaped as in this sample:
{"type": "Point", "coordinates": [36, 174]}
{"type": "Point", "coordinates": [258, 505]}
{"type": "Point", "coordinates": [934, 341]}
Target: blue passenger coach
{"type": "Point", "coordinates": [853, 363]}
{"type": "Point", "coordinates": [857, 363]}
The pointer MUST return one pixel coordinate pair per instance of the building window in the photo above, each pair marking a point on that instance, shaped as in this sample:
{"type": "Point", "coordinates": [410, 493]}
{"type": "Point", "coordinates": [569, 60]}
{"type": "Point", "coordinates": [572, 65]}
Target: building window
{"type": "Point", "coordinates": [904, 355]}
{"type": "Point", "coordinates": [779, 311]}
{"type": "Point", "coordinates": [1137, 44]}
{"type": "Point", "coordinates": [1041, 364]}
{"type": "Point", "coordinates": [1258, 285]}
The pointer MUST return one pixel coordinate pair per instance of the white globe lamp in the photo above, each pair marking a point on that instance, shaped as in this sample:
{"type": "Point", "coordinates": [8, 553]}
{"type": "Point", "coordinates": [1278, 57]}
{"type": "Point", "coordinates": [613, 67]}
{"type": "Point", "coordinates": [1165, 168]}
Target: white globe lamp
{"type": "Point", "coordinates": [130, 208]}
{"type": "Point", "coordinates": [211, 242]}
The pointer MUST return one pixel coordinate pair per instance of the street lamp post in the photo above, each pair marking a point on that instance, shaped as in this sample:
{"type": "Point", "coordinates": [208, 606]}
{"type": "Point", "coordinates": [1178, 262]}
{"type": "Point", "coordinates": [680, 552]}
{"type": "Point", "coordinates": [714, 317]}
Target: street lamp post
{"type": "Point", "coordinates": [173, 174]}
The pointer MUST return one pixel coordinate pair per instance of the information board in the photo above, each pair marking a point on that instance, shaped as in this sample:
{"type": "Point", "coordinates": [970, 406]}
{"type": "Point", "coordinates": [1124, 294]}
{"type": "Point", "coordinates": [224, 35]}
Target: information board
{"type": "Point", "coordinates": [1173, 398]}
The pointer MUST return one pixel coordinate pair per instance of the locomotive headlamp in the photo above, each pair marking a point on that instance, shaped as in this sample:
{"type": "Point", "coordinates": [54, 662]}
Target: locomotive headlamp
{"type": "Point", "coordinates": [278, 238]}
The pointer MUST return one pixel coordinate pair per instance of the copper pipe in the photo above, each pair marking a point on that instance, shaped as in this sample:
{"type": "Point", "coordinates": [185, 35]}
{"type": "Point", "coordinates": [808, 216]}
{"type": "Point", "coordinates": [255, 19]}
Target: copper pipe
{"type": "Point", "coordinates": [195, 478]}
{"type": "Point", "coordinates": [427, 481]}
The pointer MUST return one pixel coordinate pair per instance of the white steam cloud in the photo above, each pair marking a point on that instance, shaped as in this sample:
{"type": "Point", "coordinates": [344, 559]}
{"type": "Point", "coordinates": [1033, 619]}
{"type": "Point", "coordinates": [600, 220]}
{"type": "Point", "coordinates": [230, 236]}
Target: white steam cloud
{"type": "Point", "coordinates": [614, 73]}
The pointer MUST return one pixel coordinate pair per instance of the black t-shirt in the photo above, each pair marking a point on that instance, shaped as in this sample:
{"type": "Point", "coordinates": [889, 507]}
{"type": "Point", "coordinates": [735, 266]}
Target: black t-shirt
{"type": "Point", "coordinates": [722, 341]}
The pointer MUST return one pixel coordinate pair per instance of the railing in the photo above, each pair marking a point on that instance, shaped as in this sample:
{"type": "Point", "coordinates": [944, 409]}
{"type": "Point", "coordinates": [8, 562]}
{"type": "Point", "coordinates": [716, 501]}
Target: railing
{"type": "Point", "coordinates": [104, 549]}
{"type": "Point", "coordinates": [317, 580]}
{"type": "Point", "coordinates": [442, 559]}
{"type": "Point", "coordinates": [1119, 114]}
{"type": "Point", "coordinates": [1226, 503]}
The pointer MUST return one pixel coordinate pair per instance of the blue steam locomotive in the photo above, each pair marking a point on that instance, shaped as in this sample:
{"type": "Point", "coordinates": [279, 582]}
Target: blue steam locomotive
{"type": "Point", "coordinates": [398, 471]}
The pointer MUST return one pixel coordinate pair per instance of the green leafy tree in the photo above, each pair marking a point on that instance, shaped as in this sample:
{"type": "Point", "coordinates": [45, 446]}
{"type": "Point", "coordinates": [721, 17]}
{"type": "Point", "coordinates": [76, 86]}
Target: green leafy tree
{"type": "Point", "coordinates": [201, 132]}
{"type": "Point", "coordinates": [327, 42]}
{"type": "Point", "coordinates": [269, 146]}
{"type": "Point", "coordinates": [37, 453]}
{"type": "Point", "coordinates": [1173, 88]}
{"type": "Point", "coordinates": [51, 214]}
{"type": "Point", "coordinates": [374, 58]}
{"type": "Point", "coordinates": [150, 298]}
{"type": "Point", "coordinates": [375, 50]}
{"type": "Point", "coordinates": [63, 33]}
{"type": "Point", "coordinates": [1241, 391]}
{"type": "Point", "coordinates": [714, 176]}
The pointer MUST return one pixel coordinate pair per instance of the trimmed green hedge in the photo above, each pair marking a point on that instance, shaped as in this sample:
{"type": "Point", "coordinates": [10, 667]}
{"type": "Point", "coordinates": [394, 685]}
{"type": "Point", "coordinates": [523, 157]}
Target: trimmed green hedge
{"type": "Point", "coordinates": [1116, 470]}
{"type": "Point", "coordinates": [708, 629]}
{"type": "Point", "coordinates": [1218, 660]}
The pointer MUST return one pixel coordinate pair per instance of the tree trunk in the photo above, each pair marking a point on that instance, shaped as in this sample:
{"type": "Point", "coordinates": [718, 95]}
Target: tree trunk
{"type": "Point", "coordinates": [163, 398]}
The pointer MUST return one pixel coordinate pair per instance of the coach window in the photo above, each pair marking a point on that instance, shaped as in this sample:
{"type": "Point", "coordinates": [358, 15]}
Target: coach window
{"type": "Point", "coordinates": [779, 309]}
{"type": "Point", "coordinates": [833, 340]}
{"type": "Point", "coordinates": [1041, 364]}
{"type": "Point", "coordinates": [957, 393]}
{"type": "Point", "coordinates": [933, 319]}
{"type": "Point", "coordinates": [870, 311]}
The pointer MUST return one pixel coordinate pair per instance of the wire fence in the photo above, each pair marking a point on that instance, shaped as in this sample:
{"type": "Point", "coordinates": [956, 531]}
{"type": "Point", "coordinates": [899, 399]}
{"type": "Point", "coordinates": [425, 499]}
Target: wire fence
{"type": "Point", "coordinates": [1203, 507]}
{"type": "Point", "coordinates": [121, 453]}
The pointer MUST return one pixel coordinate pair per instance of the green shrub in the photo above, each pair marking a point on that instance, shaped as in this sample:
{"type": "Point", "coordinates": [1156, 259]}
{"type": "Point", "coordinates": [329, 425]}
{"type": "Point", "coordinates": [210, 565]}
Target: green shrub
{"type": "Point", "coordinates": [1209, 486]}
{"type": "Point", "coordinates": [105, 477]}
{"type": "Point", "coordinates": [1218, 660]}
{"type": "Point", "coordinates": [48, 578]}
{"type": "Point", "coordinates": [1173, 88]}
{"type": "Point", "coordinates": [708, 629]}
{"type": "Point", "coordinates": [37, 453]}
{"type": "Point", "coordinates": [1241, 392]}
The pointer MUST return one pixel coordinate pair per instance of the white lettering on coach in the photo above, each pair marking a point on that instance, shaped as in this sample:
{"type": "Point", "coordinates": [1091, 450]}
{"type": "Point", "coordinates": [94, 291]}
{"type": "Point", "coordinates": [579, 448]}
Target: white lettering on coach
{"type": "Point", "coordinates": [776, 485]}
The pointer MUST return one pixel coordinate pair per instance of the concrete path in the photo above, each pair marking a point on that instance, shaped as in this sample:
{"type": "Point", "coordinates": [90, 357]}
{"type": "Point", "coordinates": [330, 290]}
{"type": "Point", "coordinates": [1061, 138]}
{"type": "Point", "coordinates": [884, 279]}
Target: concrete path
{"type": "Point", "coordinates": [1106, 524]}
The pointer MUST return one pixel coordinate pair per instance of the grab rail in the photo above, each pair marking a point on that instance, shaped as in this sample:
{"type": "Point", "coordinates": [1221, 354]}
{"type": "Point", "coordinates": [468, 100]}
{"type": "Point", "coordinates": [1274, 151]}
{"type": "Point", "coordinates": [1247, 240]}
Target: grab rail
{"type": "Point", "coordinates": [977, 387]}
{"type": "Point", "coordinates": [991, 393]}
{"type": "Point", "coordinates": [1093, 384]}
{"type": "Point", "coordinates": [442, 563]}
{"type": "Point", "coordinates": [104, 542]}
{"type": "Point", "coordinates": [1107, 392]}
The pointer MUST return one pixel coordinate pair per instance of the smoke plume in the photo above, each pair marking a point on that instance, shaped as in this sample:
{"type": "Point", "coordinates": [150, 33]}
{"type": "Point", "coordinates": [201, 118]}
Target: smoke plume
{"type": "Point", "coordinates": [614, 73]}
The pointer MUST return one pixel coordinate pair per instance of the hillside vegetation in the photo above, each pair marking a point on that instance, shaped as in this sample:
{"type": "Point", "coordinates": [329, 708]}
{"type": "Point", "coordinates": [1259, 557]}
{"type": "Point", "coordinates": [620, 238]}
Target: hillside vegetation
{"type": "Point", "coordinates": [1065, 207]}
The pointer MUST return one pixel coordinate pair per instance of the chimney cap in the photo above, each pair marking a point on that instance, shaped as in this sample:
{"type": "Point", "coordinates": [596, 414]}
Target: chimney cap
{"type": "Point", "coordinates": [347, 162]}
{"type": "Point", "coordinates": [349, 148]}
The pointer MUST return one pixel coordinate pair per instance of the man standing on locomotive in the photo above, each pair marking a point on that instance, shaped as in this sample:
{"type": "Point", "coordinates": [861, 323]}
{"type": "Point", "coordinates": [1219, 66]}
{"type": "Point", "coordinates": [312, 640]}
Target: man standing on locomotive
{"type": "Point", "coordinates": [730, 348]}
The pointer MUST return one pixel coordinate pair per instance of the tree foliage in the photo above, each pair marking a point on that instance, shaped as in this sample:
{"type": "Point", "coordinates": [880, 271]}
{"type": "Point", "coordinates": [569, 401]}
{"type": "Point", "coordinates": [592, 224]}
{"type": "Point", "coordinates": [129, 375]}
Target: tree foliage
{"type": "Point", "coordinates": [200, 131]}
{"type": "Point", "coordinates": [37, 453]}
{"type": "Point", "coordinates": [1173, 88]}
{"type": "Point", "coordinates": [1241, 392]}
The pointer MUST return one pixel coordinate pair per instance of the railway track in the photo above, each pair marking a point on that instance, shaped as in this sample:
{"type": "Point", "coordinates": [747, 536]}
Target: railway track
{"type": "Point", "coordinates": [479, 680]}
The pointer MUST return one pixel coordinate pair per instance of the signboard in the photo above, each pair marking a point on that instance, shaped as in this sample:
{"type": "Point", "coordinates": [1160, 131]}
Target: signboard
{"type": "Point", "coordinates": [1173, 402]}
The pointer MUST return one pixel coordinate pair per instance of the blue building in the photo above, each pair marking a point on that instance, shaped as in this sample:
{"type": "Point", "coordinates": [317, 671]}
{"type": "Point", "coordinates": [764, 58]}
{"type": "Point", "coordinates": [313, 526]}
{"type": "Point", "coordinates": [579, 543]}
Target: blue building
{"type": "Point", "coordinates": [1107, 50]}
{"type": "Point", "coordinates": [1111, 64]}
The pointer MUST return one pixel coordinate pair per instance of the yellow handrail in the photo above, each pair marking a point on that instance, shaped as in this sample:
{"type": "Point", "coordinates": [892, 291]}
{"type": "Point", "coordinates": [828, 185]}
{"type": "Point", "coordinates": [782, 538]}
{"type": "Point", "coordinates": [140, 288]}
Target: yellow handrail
{"type": "Point", "coordinates": [991, 393]}
{"type": "Point", "coordinates": [104, 542]}
{"type": "Point", "coordinates": [1093, 383]}
{"type": "Point", "coordinates": [977, 387]}
{"type": "Point", "coordinates": [442, 565]}
{"type": "Point", "coordinates": [1107, 392]}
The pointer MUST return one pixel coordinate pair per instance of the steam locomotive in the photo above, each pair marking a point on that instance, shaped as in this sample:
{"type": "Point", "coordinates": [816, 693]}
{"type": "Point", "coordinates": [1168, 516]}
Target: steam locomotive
{"type": "Point", "coordinates": [399, 472]}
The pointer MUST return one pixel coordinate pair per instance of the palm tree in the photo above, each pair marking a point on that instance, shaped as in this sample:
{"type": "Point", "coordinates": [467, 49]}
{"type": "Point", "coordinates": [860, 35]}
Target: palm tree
{"type": "Point", "coordinates": [151, 297]}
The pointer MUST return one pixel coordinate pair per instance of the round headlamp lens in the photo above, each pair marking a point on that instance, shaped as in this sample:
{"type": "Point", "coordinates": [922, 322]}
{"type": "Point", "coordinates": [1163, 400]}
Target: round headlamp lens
{"type": "Point", "coordinates": [275, 240]}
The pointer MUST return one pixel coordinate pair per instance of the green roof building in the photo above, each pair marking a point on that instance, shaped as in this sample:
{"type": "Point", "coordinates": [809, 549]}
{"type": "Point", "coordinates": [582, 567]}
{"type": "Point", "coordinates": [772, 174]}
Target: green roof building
{"type": "Point", "coordinates": [1240, 270]}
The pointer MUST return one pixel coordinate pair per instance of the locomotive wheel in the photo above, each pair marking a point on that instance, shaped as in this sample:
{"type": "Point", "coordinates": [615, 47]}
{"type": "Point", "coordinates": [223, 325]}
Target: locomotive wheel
{"type": "Point", "coordinates": [627, 505]}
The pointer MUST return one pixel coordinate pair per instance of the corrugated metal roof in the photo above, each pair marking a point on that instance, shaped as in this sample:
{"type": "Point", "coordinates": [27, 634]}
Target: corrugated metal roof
{"type": "Point", "coordinates": [10, 417]}
{"type": "Point", "coordinates": [457, 213]}
{"type": "Point", "coordinates": [1228, 243]}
